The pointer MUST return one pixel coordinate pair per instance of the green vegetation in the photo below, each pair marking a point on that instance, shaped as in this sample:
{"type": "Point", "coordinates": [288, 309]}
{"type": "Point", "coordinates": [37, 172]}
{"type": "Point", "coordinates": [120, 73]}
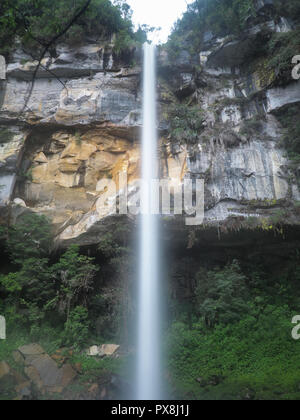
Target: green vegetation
{"type": "Point", "coordinates": [222, 17]}
{"type": "Point", "coordinates": [281, 49]}
{"type": "Point", "coordinates": [37, 22]}
{"type": "Point", "coordinates": [254, 358]}
{"type": "Point", "coordinates": [233, 17]}
{"type": "Point", "coordinates": [41, 293]}
{"type": "Point", "coordinates": [77, 327]}
{"type": "Point", "coordinates": [186, 123]}
{"type": "Point", "coordinates": [233, 341]}
{"type": "Point", "coordinates": [229, 333]}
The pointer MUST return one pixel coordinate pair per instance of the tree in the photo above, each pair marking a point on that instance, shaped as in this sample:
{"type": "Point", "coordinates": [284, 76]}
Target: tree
{"type": "Point", "coordinates": [222, 295]}
{"type": "Point", "coordinates": [74, 275]}
{"type": "Point", "coordinates": [30, 237]}
{"type": "Point", "coordinates": [77, 327]}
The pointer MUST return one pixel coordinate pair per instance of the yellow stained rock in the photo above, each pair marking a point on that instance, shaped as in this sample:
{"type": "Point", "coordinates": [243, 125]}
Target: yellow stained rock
{"type": "Point", "coordinates": [79, 149]}
{"type": "Point", "coordinates": [41, 158]}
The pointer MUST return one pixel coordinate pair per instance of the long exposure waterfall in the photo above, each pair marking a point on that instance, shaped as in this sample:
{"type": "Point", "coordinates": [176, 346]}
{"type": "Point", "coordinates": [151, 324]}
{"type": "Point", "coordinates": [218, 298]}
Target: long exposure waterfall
{"type": "Point", "coordinates": [148, 369]}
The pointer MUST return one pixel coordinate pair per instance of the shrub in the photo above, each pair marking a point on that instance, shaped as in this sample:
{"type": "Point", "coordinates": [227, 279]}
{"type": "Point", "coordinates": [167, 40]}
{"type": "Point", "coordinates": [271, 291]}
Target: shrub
{"type": "Point", "coordinates": [77, 327]}
{"type": "Point", "coordinates": [281, 49]}
{"type": "Point", "coordinates": [31, 237]}
{"type": "Point", "coordinates": [222, 295]}
{"type": "Point", "coordinates": [186, 123]}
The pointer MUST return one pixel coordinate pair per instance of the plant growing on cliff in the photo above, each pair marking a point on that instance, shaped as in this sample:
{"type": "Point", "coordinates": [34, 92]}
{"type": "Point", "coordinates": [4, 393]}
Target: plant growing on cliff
{"type": "Point", "coordinates": [186, 123]}
{"type": "Point", "coordinates": [281, 49]}
{"type": "Point", "coordinates": [222, 17]}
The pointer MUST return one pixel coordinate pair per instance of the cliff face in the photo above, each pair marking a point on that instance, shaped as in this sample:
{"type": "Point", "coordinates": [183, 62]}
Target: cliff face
{"type": "Point", "coordinates": [82, 124]}
{"type": "Point", "coordinates": [239, 149]}
{"type": "Point", "coordinates": [78, 127]}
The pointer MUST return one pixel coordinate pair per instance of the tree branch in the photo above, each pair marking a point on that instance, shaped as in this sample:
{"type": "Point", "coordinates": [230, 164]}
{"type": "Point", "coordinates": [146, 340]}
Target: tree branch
{"type": "Point", "coordinates": [48, 45]}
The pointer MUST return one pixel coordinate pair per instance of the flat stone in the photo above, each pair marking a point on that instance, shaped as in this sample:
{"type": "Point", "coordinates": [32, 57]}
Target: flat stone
{"type": "Point", "coordinates": [109, 349]}
{"type": "Point", "coordinates": [48, 370]}
{"type": "Point", "coordinates": [104, 350]}
{"type": "Point", "coordinates": [31, 350]}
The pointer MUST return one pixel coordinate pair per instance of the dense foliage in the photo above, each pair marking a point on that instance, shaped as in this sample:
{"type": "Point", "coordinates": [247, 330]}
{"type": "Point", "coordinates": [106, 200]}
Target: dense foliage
{"type": "Point", "coordinates": [37, 22]}
{"type": "Point", "coordinates": [229, 331]}
{"type": "Point", "coordinates": [233, 340]}
{"type": "Point", "coordinates": [223, 17]}
{"type": "Point", "coordinates": [186, 123]}
{"type": "Point", "coordinates": [65, 293]}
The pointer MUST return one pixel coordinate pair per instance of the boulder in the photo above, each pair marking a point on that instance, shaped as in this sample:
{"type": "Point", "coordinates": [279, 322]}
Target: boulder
{"type": "Point", "coordinates": [104, 350]}
{"type": "Point", "coordinates": [4, 369]}
{"type": "Point", "coordinates": [19, 202]}
{"type": "Point", "coordinates": [108, 349]}
{"type": "Point", "coordinates": [46, 369]}
{"type": "Point", "coordinates": [43, 371]}
{"type": "Point", "coordinates": [34, 376]}
{"type": "Point", "coordinates": [93, 351]}
{"type": "Point", "coordinates": [18, 357]}
{"type": "Point", "coordinates": [31, 350]}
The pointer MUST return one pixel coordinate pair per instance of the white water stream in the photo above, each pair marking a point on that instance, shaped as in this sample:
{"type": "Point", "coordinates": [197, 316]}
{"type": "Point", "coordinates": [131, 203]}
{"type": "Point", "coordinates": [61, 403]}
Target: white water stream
{"type": "Point", "coordinates": [148, 351]}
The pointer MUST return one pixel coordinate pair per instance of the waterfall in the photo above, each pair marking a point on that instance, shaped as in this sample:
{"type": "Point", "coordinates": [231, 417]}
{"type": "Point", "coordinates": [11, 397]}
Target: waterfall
{"type": "Point", "coordinates": [148, 349]}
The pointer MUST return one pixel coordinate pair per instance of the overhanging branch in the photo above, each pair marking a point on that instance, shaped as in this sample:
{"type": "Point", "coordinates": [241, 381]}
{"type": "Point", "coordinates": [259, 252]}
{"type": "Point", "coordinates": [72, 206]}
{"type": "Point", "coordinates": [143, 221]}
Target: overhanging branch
{"type": "Point", "coordinates": [46, 49]}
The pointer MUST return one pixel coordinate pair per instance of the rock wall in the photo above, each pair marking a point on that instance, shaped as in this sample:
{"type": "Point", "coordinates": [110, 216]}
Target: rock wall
{"type": "Point", "coordinates": [80, 125]}
{"type": "Point", "coordinates": [83, 120]}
